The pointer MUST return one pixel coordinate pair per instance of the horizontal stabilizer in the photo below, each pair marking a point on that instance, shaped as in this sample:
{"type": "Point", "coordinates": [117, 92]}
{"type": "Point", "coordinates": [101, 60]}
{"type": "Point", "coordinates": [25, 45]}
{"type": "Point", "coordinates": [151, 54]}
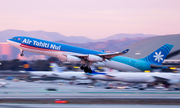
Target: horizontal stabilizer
{"type": "Point", "coordinates": [153, 66]}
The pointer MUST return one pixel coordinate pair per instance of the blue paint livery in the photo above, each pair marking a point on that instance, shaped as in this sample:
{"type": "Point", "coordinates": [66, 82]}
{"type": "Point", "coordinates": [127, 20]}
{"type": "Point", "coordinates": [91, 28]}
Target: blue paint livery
{"type": "Point", "coordinates": [145, 63]}
{"type": "Point", "coordinates": [96, 73]}
{"type": "Point", "coordinates": [66, 48]}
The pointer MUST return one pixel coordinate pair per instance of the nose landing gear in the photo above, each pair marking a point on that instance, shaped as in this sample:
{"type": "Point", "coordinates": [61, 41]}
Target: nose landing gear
{"type": "Point", "coordinates": [21, 54]}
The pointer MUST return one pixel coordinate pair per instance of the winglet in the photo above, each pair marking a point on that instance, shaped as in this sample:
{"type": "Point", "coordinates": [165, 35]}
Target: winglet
{"type": "Point", "coordinates": [102, 51]}
{"type": "Point", "coordinates": [125, 51]}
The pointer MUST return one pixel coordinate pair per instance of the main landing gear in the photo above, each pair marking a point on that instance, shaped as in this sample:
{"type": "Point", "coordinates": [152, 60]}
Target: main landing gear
{"type": "Point", "coordinates": [21, 54]}
{"type": "Point", "coordinates": [86, 69]}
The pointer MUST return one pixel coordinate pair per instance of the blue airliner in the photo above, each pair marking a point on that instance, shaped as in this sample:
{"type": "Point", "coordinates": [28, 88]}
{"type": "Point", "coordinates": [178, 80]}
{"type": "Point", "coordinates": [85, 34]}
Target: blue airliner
{"type": "Point", "coordinates": [89, 57]}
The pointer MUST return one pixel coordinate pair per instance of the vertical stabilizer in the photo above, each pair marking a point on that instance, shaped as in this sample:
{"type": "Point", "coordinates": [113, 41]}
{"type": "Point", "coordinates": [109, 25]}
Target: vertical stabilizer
{"type": "Point", "coordinates": [55, 67]}
{"type": "Point", "coordinates": [158, 56]}
{"type": "Point", "coordinates": [27, 66]}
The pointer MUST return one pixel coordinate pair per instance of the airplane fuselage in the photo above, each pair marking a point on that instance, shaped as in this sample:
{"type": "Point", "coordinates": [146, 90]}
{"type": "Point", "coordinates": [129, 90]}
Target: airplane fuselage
{"type": "Point", "coordinates": [63, 51]}
{"type": "Point", "coordinates": [137, 77]}
{"type": "Point", "coordinates": [63, 75]}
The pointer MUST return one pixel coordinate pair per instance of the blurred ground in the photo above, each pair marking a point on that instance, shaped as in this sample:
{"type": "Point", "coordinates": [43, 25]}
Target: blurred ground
{"type": "Point", "coordinates": [36, 92]}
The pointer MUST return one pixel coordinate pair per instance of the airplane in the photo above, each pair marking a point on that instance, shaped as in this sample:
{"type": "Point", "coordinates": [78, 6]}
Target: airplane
{"type": "Point", "coordinates": [138, 77]}
{"type": "Point", "coordinates": [3, 84]}
{"type": "Point", "coordinates": [96, 75]}
{"type": "Point", "coordinates": [56, 73]}
{"type": "Point", "coordinates": [91, 57]}
{"type": "Point", "coordinates": [42, 74]}
{"type": "Point", "coordinates": [68, 75]}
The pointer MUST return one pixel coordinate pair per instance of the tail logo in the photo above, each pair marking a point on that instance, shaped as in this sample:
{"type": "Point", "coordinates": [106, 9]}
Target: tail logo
{"type": "Point", "coordinates": [26, 66]}
{"type": "Point", "coordinates": [158, 56]}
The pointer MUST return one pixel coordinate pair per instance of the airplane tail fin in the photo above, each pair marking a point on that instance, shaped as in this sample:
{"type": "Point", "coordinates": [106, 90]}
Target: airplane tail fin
{"type": "Point", "coordinates": [27, 66]}
{"type": "Point", "coordinates": [55, 67]}
{"type": "Point", "coordinates": [158, 56]}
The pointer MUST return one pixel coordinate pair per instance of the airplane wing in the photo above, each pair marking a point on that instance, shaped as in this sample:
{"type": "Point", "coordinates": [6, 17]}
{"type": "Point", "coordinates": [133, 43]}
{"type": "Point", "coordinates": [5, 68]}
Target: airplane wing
{"type": "Point", "coordinates": [166, 81]}
{"type": "Point", "coordinates": [109, 76]}
{"type": "Point", "coordinates": [56, 75]}
{"type": "Point", "coordinates": [104, 56]}
{"type": "Point", "coordinates": [111, 55]}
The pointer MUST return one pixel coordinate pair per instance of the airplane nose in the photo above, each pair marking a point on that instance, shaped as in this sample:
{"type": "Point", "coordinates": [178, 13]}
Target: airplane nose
{"type": "Point", "coordinates": [8, 41]}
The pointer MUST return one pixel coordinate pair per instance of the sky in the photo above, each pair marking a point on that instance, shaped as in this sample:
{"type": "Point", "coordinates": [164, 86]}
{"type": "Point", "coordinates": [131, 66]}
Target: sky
{"type": "Point", "coordinates": [93, 19]}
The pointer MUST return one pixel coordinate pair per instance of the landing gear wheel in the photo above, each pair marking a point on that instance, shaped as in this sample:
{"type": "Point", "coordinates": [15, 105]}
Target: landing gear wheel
{"type": "Point", "coordinates": [90, 71]}
{"type": "Point", "coordinates": [21, 54]}
{"type": "Point", "coordinates": [86, 70]}
{"type": "Point", "coordinates": [82, 67]}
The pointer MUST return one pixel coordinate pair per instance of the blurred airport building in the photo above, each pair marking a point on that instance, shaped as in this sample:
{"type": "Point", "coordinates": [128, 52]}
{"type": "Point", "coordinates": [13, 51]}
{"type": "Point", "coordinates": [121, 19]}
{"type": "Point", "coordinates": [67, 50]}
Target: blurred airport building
{"type": "Point", "coordinates": [5, 50]}
{"type": "Point", "coordinates": [8, 52]}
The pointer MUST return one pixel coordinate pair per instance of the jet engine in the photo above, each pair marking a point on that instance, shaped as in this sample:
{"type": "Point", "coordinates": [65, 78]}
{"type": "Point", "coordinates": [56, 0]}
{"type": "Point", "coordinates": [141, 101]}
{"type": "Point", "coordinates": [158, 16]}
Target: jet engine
{"type": "Point", "coordinates": [173, 81]}
{"type": "Point", "coordinates": [72, 59]}
{"type": "Point", "coordinates": [94, 58]}
{"type": "Point", "coordinates": [69, 58]}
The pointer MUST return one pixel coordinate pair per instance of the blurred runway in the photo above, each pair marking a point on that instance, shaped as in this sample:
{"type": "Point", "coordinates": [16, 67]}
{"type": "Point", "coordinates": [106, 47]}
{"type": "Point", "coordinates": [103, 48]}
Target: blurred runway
{"type": "Point", "coordinates": [35, 90]}
{"type": "Point", "coordinates": [83, 106]}
{"type": "Point", "coordinates": [38, 90]}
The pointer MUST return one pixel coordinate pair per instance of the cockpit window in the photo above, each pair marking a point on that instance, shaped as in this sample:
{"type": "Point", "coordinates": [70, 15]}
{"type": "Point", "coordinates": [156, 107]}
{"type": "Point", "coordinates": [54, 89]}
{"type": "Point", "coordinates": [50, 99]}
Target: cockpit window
{"type": "Point", "coordinates": [17, 38]}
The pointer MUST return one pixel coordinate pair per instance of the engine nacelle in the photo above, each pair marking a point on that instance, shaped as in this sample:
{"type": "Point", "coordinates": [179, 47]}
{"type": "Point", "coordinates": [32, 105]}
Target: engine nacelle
{"type": "Point", "coordinates": [71, 59]}
{"type": "Point", "coordinates": [174, 81]}
{"type": "Point", "coordinates": [94, 58]}
{"type": "Point", "coordinates": [68, 58]}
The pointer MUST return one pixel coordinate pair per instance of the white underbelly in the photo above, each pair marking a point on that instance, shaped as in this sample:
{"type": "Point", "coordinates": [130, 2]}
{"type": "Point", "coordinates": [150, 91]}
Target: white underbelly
{"type": "Point", "coordinates": [120, 66]}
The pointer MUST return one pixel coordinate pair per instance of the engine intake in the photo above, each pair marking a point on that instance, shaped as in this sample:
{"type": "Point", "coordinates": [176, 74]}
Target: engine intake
{"type": "Point", "coordinates": [69, 58]}
{"type": "Point", "coordinates": [94, 58]}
